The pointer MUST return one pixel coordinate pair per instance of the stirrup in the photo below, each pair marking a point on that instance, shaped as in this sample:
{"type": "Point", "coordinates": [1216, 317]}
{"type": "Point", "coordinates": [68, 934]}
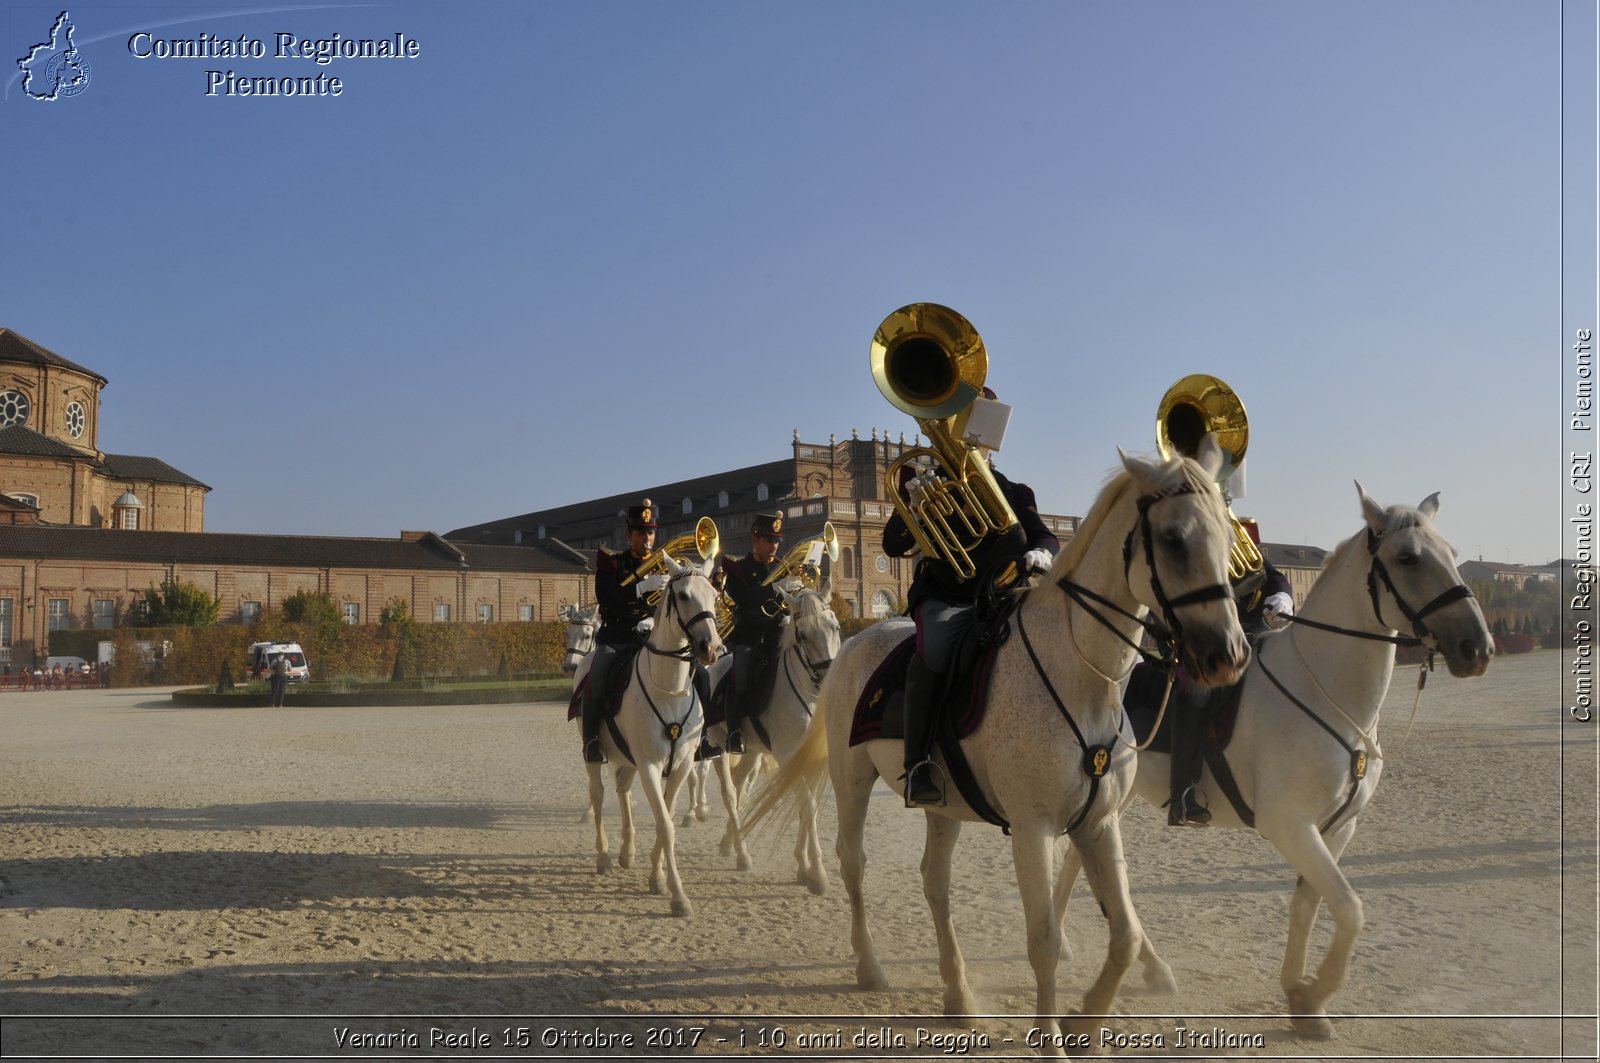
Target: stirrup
{"type": "Point", "coordinates": [735, 742]}
{"type": "Point", "coordinates": [708, 749]}
{"type": "Point", "coordinates": [933, 795]}
{"type": "Point", "coordinates": [594, 753]}
{"type": "Point", "coordinates": [1186, 810]}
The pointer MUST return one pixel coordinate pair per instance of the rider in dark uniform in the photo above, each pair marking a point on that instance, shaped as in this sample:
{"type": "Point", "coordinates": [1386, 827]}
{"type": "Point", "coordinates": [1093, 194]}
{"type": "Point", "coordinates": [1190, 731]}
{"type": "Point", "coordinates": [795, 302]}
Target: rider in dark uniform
{"type": "Point", "coordinates": [625, 615]}
{"type": "Point", "coordinates": [1265, 604]}
{"type": "Point", "coordinates": [945, 606]}
{"type": "Point", "coordinates": [758, 613]}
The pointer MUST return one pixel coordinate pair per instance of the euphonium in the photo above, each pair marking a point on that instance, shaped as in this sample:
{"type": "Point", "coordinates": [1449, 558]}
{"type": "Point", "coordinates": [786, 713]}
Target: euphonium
{"type": "Point", "coordinates": [800, 564]}
{"type": "Point", "coordinates": [1195, 405]}
{"type": "Point", "coordinates": [705, 544]}
{"type": "Point", "coordinates": [930, 362]}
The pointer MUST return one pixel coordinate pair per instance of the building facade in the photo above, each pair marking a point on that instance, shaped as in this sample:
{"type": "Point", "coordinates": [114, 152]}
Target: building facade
{"type": "Point", "coordinates": [50, 456]}
{"type": "Point", "coordinates": [840, 482]}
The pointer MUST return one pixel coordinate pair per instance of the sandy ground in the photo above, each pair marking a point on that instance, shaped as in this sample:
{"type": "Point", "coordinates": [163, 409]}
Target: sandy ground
{"type": "Point", "coordinates": [425, 873]}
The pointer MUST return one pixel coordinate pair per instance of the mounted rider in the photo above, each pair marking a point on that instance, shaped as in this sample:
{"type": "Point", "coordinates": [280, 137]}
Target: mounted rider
{"type": "Point", "coordinates": [625, 614]}
{"type": "Point", "coordinates": [946, 604]}
{"type": "Point", "coordinates": [1192, 407]}
{"type": "Point", "coordinates": [759, 618]}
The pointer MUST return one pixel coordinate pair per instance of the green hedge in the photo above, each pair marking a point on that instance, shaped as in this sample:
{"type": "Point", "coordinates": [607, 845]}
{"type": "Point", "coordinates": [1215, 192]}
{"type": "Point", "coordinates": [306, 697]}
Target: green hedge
{"type": "Point", "coordinates": [357, 651]}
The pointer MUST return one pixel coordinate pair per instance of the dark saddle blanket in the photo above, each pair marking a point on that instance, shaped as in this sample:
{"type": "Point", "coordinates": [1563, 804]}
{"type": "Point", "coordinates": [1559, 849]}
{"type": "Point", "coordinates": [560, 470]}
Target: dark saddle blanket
{"type": "Point", "coordinates": [880, 711]}
{"type": "Point", "coordinates": [1142, 702]}
{"type": "Point", "coordinates": [762, 683]}
{"type": "Point", "coordinates": [621, 675]}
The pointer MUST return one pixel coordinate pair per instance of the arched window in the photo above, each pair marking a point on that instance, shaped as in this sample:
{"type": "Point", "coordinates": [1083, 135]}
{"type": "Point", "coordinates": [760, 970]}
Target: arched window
{"type": "Point", "coordinates": [847, 557]}
{"type": "Point", "coordinates": [722, 500]}
{"type": "Point", "coordinates": [688, 504]}
{"type": "Point", "coordinates": [761, 492]}
{"type": "Point", "coordinates": [541, 531]}
{"type": "Point", "coordinates": [516, 537]}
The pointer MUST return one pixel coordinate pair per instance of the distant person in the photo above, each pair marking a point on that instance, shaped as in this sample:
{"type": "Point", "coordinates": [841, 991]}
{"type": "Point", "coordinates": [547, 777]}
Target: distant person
{"type": "Point", "coordinates": [280, 678]}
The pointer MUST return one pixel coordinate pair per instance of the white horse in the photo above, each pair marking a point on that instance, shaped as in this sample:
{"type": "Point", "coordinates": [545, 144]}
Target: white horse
{"type": "Point", "coordinates": [1051, 754]}
{"type": "Point", "coordinates": [660, 721]}
{"type": "Point", "coordinates": [806, 649]}
{"type": "Point", "coordinates": [582, 623]}
{"type": "Point", "coordinates": [1304, 753]}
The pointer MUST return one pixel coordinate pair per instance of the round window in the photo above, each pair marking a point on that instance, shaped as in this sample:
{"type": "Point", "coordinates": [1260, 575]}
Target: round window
{"type": "Point", "coordinates": [882, 564]}
{"type": "Point", "coordinates": [75, 418]}
{"type": "Point", "coordinates": [14, 408]}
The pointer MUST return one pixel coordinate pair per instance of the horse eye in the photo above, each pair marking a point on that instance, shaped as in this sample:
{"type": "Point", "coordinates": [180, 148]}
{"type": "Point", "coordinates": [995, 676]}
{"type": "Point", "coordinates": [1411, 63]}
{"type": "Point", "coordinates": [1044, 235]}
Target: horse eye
{"type": "Point", "coordinates": [1173, 540]}
{"type": "Point", "coordinates": [1407, 558]}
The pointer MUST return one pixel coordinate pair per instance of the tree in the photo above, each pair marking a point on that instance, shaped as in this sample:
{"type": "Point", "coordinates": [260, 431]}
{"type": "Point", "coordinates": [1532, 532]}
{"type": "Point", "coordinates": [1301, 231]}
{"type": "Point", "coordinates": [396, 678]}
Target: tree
{"type": "Point", "coordinates": [176, 604]}
{"type": "Point", "coordinates": [313, 608]}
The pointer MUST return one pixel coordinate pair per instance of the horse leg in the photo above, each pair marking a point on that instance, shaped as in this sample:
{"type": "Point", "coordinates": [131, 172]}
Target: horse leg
{"type": "Point", "coordinates": [624, 782]}
{"type": "Point", "coordinates": [1033, 857]}
{"type": "Point", "coordinates": [1158, 976]}
{"type": "Point", "coordinates": [1107, 871]}
{"type": "Point", "coordinates": [732, 836]}
{"type": "Point", "coordinates": [1317, 860]}
{"type": "Point", "coordinates": [597, 797]}
{"type": "Point", "coordinates": [808, 849]}
{"type": "Point", "coordinates": [664, 857]}
{"type": "Point", "coordinates": [697, 782]}
{"type": "Point", "coordinates": [853, 777]}
{"type": "Point", "coordinates": [937, 850]}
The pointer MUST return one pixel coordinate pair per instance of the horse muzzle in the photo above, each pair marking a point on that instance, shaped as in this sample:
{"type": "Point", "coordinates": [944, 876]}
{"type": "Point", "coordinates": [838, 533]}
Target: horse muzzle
{"type": "Point", "coordinates": [1221, 664]}
{"type": "Point", "coordinates": [1467, 658]}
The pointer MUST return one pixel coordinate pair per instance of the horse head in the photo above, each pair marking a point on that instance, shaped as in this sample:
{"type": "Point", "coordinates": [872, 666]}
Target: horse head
{"type": "Point", "coordinates": [581, 624]}
{"type": "Point", "coordinates": [1415, 587]}
{"type": "Point", "coordinates": [813, 630]}
{"type": "Point", "coordinates": [690, 603]}
{"type": "Point", "coordinates": [1177, 560]}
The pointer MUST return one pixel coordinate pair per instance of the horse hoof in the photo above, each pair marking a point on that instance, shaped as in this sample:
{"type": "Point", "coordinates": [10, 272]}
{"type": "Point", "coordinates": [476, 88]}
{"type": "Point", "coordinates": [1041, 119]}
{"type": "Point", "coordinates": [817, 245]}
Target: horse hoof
{"type": "Point", "coordinates": [655, 888]}
{"type": "Point", "coordinates": [1160, 982]}
{"type": "Point", "coordinates": [625, 860]}
{"type": "Point", "coordinates": [745, 862]}
{"type": "Point", "coordinates": [725, 847]}
{"type": "Point", "coordinates": [686, 820]}
{"type": "Point", "coordinates": [869, 976]}
{"type": "Point", "coordinates": [818, 886]}
{"type": "Point", "coordinates": [959, 1004]}
{"type": "Point", "coordinates": [1312, 1027]}
{"type": "Point", "coordinates": [700, 814]}
{"type": "Point", "coordinates": [681, 908]}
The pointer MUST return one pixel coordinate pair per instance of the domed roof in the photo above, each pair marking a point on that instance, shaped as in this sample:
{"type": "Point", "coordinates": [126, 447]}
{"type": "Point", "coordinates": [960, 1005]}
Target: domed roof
{"type": "Point", "coordinates": [15, 347]}
{"type": "Point", "coordinates": [129, 500]}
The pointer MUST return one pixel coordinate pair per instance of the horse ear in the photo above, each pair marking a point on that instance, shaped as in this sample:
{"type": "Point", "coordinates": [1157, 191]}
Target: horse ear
{"type": "Point", "coordinates": [1376, 518]}
{"type": "Point", "coordinates": [1146, 472]}
{"type": "Point", "coordinates": [1429, 506]}
{"type": "Point", "coordinates": [1209, 455]}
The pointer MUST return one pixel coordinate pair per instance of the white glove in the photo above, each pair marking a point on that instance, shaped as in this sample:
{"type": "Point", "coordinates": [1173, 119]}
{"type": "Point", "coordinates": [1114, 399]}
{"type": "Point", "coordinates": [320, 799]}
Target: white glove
{"type": "Point", "coordinates": [651, 584]}
{"type": "Point", "coordinates": [792, 586]}
{"type": "Point", "coordinates": [1037, 561]}
{"type": "Point", "coordinates": [783, 619]}
{"type": "Point", "coordinates": [1276, 610]}
{"type": "Point", "coordinates": [645, 626]}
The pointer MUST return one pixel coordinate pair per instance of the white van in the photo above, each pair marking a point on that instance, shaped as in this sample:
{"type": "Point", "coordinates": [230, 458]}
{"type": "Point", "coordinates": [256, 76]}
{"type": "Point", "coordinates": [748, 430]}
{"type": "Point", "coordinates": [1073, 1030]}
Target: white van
{"type": "Point", "coordinates": [262, 654]}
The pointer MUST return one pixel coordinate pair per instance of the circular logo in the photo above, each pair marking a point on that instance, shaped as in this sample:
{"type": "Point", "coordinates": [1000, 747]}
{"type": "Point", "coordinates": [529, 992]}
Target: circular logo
{"type": "Point", "coordinates": [67, 73]}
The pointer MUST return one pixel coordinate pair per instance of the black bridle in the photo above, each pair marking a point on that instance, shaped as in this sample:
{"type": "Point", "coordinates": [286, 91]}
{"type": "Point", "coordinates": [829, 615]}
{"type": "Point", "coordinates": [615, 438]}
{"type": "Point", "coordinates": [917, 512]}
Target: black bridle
{"type": "Point", "coordinates": [685, 652]}
{"type": "Point", "coordinates": [1167, 633]}
{"type": "Point", "coordinates": [1376, 574]}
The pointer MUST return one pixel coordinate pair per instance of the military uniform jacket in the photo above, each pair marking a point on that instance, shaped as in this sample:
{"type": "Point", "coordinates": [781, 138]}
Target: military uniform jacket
{"type": "Point", "coordinates": [621, 608]}
{"type": "Point", "coordinates": [935, 578]}
{"type": "Point", "coordinates": [751, 624]}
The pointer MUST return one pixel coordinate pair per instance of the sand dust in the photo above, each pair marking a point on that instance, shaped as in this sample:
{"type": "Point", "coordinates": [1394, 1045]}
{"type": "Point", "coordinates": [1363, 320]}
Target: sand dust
{"type": "Point", "coordinates": [345, 881]}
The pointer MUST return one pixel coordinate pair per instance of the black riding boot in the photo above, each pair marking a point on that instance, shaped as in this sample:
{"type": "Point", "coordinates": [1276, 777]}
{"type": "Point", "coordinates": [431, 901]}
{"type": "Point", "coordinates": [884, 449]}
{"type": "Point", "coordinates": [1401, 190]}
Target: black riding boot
{"type": "Point", "coordinates": [1184, 808]}
{"type": "Point", "coordinates": [702, 688]}
{"type": "Point", "coordinates": [590, 717]}
{"type": "Point", "coordinates": [922, 684]}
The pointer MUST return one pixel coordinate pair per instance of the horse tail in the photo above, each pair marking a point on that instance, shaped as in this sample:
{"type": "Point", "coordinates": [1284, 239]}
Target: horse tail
{"type": "Point", "coordinates": [780, 795]}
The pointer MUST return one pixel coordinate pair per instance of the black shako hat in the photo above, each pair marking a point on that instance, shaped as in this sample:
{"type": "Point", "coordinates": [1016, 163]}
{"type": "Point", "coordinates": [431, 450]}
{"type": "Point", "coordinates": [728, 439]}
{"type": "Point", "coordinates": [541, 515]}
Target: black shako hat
{"type": "Point", "coordinates": [642, 517]}
{"type": "Point", "coordinates": [768, 525]}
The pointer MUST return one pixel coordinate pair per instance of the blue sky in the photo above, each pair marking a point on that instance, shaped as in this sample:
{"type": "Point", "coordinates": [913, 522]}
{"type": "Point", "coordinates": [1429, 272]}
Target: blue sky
{"type": "Point", "coordinates": [574, 249]}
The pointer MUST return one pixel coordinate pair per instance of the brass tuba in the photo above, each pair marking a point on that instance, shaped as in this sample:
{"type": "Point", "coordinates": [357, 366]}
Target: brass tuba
{"type": "Point", "coordinates": [930, 362]}
{"type": "Point", "coordinates": [798, 563]}
{"type": "Point", "coordinates": [1198, 404]}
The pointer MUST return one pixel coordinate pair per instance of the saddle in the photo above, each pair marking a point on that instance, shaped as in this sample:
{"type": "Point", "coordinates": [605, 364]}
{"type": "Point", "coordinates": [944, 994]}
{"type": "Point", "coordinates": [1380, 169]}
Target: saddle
{"type": "Point", "coordinates": [960, 705]}
{"type": "Point", "coordinates": [623, 666]}
{"type": "Point", "coordinates": [1218, 705]}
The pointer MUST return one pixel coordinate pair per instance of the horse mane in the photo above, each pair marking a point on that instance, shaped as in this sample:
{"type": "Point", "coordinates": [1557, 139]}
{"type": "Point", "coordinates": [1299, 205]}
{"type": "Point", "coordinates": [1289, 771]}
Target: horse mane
{"type": "Point", "coordinates": [1119, 484]}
